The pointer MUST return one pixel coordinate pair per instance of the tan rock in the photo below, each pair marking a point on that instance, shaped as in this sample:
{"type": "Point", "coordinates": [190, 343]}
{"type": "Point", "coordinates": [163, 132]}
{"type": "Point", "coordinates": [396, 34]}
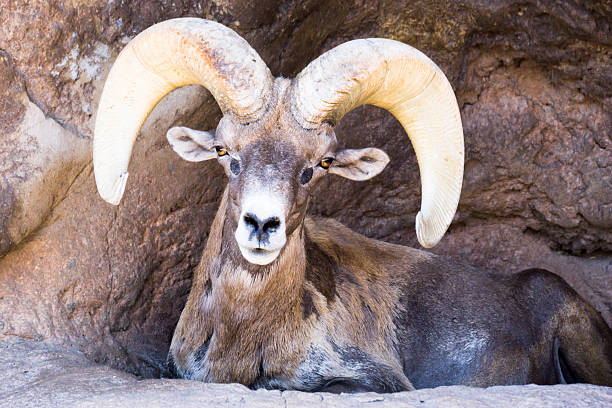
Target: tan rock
{"type": "Point", "coordinates": [40, 376]}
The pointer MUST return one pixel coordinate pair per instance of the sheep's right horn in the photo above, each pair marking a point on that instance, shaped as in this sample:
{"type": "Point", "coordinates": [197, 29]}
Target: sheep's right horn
{"type": "Point", "coordinates": [166, 56]}
{"type": "Point", "coordinates": [404, 81]}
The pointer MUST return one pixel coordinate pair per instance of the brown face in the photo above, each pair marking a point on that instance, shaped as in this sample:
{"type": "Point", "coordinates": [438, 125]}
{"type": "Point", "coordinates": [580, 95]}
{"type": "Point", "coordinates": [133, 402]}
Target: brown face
{"type": "Point", "coordinates": [270, 179]}
{"type": "Point", "coordinates": [272, 167]}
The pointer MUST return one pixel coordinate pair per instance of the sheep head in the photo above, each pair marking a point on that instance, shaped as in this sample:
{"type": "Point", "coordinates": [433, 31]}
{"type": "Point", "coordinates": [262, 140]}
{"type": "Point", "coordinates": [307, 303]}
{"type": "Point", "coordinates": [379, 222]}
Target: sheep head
{"type": "Point", "coordinates": [272, 165]}
{"type": "Point", "coordinates": [276, 138]}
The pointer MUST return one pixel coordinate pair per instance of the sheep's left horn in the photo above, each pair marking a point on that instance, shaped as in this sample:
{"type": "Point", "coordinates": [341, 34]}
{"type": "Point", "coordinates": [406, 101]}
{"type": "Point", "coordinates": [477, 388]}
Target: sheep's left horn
{"type": "Point", "coordinates": [166, 56]}
{"type": "Point", "coordinates": [401, 79]}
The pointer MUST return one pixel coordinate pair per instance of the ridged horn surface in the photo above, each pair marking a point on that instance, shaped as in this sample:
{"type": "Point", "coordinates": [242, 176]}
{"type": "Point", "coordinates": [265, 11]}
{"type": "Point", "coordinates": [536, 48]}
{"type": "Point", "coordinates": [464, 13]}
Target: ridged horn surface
{"type": "Point", "coordinates": [402, 80]}
{"type": "Point", "coordinates": [168, 55]}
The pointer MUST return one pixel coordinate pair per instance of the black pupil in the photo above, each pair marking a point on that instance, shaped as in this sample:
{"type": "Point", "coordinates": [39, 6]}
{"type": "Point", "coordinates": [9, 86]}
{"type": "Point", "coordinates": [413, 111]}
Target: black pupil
{"type": "Point", "coordinates": [306, 176]}
{"type": "Point", "coordinates": [235, 166]}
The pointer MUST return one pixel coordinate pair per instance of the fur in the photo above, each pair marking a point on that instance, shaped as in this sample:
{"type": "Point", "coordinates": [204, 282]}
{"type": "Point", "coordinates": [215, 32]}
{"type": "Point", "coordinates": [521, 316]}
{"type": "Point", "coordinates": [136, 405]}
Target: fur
{"type": "Point", "coordinates": [341, 312]}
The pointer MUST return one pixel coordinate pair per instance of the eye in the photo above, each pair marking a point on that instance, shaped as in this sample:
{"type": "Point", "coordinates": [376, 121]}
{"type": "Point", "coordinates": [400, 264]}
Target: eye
{"type": "Point", "coordinates": [221, 151]}
{"type": "Point", "coordinates": [326, 162]}
{"type": "Point", "coordinates": [306, 176]}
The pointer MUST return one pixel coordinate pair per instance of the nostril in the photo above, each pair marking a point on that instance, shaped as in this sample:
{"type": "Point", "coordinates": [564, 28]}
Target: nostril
{"type": "Point", "coordinates": [261, 229]}
{"type": "Point", "coordinates": [271, 224]}
{"type": "Point", "coordinates": [251, 221]}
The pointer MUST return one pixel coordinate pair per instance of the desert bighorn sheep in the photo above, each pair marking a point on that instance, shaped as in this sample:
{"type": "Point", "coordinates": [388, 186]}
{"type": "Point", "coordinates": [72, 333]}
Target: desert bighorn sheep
{"type": "Point", "coordinates": [281, 300]}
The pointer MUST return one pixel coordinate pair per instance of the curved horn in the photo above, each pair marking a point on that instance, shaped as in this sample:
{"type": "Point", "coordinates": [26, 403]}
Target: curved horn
{"type": "Point", "coordinates": [166, 56]}
{"type": "Point", "coordinates": [402, 80]}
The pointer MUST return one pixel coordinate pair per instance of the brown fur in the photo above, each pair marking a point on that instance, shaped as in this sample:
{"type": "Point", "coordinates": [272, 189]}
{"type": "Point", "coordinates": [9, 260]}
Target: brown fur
{"type": "Point", "coordinates": [354, 285]}
{"type": "Point", "coordinates": [257, 320]}
{"type": "Point", "coordinates": [245, 338]}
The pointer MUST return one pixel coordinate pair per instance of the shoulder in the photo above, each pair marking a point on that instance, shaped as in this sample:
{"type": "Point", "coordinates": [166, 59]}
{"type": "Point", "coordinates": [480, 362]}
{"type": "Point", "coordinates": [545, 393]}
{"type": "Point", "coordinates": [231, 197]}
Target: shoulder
{"type": "Point", "coordinates": [351, 248]}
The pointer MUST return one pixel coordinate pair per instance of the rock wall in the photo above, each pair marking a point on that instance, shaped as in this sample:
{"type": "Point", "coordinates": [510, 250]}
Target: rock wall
{"type": "Point", "coordinates": [533, 79]}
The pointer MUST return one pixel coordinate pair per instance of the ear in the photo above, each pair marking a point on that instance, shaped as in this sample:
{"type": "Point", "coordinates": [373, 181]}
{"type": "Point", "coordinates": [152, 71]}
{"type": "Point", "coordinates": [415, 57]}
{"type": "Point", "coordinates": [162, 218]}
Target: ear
{"type": "Point", "coordinates": [192, 145]}
{"type": "Point", "coordinates": [359, 164]}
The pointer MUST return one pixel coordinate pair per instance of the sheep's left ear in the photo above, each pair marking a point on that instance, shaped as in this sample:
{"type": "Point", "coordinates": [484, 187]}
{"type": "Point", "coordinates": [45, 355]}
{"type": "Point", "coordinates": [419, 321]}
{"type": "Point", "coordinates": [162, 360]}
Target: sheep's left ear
{"type": "Point", "coordinates": [359, 164]}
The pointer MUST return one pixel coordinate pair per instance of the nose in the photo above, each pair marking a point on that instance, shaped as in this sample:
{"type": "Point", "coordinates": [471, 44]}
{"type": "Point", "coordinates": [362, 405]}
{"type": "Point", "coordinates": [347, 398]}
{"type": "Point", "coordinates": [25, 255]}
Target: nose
{"type": "Point", "coordinates": [260, 232]}
{"type": "Point", "coordinates": [261, 228]}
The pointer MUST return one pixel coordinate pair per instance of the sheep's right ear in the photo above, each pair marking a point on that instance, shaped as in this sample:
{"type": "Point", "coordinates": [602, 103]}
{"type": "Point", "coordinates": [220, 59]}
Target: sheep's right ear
{"type": "Point", "coordinates": [192, 145]}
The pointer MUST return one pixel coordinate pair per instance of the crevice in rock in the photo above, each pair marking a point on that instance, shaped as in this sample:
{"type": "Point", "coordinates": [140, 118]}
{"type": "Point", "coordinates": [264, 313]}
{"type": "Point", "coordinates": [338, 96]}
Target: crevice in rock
{"type": "Point", "coordinates": [111, 276]}
{"type": "Point", "coordinates": [23, 82]}
{"type": "Point", "coordinates": [48, 221]}
{"type": "Point", "coordinates": [64, 125]}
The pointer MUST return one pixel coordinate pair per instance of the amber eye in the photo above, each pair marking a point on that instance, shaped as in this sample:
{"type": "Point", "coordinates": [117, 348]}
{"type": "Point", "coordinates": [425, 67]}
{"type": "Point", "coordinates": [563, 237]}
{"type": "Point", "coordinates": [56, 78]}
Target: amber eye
{"type": "Point", "coordinates": [326, 162]}
{"type": "Point", "coordinates": [221, 151]}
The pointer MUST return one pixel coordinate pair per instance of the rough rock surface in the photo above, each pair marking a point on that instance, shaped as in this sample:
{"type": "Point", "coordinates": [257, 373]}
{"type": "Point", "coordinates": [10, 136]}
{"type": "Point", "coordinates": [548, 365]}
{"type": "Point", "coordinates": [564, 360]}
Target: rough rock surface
{"type": "Point", "coordinates": [41, 376]}
{"type": "Point", "coordinates": [533, 80]}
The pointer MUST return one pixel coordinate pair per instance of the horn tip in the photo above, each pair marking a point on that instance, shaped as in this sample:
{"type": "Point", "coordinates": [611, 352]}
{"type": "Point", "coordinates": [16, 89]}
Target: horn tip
{"type": "Point", "coordinates": [426, 232]}
{"type": "Point", "coordinates": [116, 193]}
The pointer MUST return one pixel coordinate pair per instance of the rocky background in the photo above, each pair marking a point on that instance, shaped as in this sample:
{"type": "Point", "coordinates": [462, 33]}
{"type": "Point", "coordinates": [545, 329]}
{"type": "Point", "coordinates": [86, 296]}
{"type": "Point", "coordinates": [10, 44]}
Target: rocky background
{"type": "Point", "coordinates": [533, 79]}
